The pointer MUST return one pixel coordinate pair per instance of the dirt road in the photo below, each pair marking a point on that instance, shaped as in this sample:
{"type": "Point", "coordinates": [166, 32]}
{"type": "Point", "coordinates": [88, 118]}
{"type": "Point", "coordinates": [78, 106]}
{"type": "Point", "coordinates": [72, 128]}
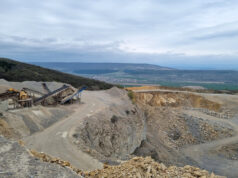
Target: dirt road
{"type": "Point", "coordinates": [56, 141]}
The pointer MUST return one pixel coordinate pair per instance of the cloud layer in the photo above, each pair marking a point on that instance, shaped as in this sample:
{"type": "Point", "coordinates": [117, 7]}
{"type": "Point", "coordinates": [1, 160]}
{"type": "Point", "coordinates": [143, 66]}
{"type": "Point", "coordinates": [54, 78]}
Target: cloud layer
{"type": "Point", "coordinates": [184, 33]}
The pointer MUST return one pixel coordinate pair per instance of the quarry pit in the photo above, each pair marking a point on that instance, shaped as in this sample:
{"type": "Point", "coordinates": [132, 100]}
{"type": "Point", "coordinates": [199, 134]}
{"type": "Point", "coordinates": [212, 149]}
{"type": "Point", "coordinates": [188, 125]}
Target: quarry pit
{"type": "Point", "coordinates": [107, 127]}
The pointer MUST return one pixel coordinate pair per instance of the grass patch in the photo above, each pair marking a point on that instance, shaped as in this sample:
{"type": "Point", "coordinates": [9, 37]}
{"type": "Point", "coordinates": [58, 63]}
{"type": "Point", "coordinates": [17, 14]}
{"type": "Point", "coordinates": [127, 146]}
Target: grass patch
{"type": "Point", "coordinates": [131, 96]}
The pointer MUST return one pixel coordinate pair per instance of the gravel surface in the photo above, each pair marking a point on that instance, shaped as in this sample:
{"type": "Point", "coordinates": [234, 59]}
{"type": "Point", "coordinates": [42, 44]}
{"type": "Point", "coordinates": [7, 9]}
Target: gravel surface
{"type": "Point", "coordinates": [28, 84]}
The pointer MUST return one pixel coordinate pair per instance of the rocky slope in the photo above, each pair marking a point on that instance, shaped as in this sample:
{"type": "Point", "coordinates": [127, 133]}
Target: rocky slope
{"type": "Point", "coordinates": [113, 133]}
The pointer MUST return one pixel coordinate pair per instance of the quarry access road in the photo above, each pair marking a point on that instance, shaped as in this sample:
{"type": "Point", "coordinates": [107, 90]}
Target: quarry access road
{"type": "Point", "coordinates": [56, 141]}
{"type": "Point", "coordinates": [203, 153]}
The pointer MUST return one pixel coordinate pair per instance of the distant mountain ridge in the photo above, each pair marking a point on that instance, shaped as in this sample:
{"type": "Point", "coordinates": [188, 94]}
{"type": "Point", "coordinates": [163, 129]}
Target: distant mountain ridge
{"type": "Point", "coordinates": [99, 66]}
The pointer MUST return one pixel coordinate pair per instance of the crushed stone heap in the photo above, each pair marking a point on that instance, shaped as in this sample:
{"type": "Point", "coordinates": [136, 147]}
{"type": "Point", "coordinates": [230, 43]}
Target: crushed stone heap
{"type": "Point", "coordinates": [146, 167]}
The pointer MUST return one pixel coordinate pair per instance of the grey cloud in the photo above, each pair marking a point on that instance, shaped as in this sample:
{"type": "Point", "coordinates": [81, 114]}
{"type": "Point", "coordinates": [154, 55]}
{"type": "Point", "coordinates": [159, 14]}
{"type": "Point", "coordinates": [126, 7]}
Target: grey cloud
{"type": "Point", "coordinates": [228, 34]}
{"type": "Point", "coordinates": [151, 31]}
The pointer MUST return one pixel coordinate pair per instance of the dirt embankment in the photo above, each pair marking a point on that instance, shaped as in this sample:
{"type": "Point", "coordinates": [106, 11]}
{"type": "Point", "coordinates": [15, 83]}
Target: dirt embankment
{"type": "Point", "coordinates": [173, 99]}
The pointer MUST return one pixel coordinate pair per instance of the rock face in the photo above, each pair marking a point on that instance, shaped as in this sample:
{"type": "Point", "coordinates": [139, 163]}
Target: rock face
{"type": "Point", "coordinates": [146, 167]}
{"type": "Point", "coordinates": [114, 132]}
{"type": "Point", "coordinates": [15, 161]}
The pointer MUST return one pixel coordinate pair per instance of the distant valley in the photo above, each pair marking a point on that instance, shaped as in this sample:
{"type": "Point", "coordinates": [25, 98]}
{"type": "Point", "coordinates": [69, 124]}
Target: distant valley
{"type": "Point", "coordinates": [147, 74]}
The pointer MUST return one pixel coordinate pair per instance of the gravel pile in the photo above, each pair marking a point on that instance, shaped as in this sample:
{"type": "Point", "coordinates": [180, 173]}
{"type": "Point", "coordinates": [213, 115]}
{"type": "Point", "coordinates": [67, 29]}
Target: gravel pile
{"type": "Point", "coordinates": [146, 167]}
{"type": "Point", "coordinates": [4, 85]}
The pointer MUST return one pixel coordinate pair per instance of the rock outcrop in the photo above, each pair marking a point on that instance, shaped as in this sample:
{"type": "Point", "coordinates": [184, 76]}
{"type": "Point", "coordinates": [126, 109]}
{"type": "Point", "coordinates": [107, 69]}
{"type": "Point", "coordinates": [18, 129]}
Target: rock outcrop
{"type": "Point", "coordinates": [114, 132]}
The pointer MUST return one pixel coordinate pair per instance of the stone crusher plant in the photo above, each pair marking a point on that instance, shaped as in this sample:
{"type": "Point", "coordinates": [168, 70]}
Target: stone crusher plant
{"type": "Point", "coordinates": [27, 97]}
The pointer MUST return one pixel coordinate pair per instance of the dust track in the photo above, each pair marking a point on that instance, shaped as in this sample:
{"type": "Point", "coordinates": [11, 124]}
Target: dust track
{"type": "Point", "coordinates": [56, 141]}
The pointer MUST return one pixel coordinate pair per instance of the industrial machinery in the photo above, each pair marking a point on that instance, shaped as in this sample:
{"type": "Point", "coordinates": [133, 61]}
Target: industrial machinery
{"type": "Point", "coordinates": [21, 98]}
{"type": "Point", "coordinates": [22, 95]}
{"type": "Point", "coordinates": [28, 97]}
{"type": "Point", "coordinates": [17, 98]}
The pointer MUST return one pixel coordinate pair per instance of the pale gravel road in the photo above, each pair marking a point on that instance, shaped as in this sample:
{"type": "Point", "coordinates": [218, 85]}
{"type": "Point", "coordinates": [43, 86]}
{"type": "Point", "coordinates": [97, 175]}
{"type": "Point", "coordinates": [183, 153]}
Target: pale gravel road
{"type": "Point", "coordinates": [56, 141]}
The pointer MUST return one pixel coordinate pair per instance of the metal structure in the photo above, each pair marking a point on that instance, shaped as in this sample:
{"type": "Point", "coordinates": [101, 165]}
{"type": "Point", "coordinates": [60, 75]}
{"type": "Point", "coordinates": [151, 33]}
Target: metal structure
{"type": "Point", "coordinates": [28, 97]}
{"type": "Point", "coordinates": [75, 94]}
{"type": "Point", "coordinates": [32, 92]}
{"type": "Point", "coordinates": [44, 85]}
{"type": "Point", "coordinates": [18, 99]}
{"type": "Point", "coordinates": [55, 92]}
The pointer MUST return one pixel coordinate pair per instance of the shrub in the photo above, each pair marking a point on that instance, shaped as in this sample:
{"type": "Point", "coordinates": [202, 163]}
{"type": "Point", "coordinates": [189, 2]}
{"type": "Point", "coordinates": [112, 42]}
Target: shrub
{"type": "Point", "coordinates": [131, 95]}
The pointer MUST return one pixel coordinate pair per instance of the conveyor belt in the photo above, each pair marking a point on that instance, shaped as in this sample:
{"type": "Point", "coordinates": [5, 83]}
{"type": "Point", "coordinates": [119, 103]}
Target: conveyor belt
{"type": "Point", "coordinates": [73, 95]}
{"type": "Point", "coordinates": [38, 100]}
{"type": "Point", "coordinates": [46, 88]}
{"type": "Point", "coordinates": [33, 91]}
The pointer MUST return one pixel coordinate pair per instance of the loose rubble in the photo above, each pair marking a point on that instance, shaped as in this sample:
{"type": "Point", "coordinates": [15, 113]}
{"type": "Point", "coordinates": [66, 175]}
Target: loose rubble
{"type": "Point", "coordinates": [146, 167]}
{"type": "Point", "coordinates": [46, 158]}
{"type": "Point", "coordinates": [137, 167]}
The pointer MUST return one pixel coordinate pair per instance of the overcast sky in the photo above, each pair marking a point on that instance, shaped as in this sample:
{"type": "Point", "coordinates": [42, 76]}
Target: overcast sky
{"type": "Point", "coordinates": [175, 33]}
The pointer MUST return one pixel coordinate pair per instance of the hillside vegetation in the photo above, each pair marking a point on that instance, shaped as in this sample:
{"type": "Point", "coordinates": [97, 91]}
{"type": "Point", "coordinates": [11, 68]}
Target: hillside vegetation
{"type": "Point", "coordinates": [16, 71]}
